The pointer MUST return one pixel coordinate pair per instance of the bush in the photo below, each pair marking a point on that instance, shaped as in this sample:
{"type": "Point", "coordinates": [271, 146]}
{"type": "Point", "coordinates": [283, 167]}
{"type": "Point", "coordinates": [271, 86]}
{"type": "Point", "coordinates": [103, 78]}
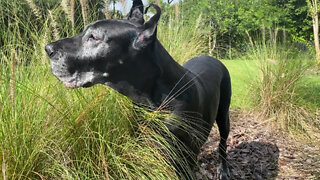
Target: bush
{"type": "Point", "coordinates": [275, 90]}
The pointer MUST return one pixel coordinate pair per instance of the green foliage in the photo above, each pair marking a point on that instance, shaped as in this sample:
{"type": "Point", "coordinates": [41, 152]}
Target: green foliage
{"type": "Point", "coordinates": [235, 24]}
{"type": "Point", "coordinates": [248, 16]}
{"type": "Point", "coordinates": [300, 24]}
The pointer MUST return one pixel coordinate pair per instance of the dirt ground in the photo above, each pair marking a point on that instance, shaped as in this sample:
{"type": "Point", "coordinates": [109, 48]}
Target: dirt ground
{"type": "Point", "coordinates": [258, 151]}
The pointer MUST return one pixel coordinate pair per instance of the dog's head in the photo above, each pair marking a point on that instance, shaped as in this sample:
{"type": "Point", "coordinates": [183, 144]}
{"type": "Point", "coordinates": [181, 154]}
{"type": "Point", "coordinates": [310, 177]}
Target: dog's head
{"type": "Point", "coordinates": [106, 51]}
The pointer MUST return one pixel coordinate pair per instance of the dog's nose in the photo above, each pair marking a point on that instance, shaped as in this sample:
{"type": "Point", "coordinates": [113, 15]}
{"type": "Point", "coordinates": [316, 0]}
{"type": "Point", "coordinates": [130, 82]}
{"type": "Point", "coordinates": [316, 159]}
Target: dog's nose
{"type": "Point", "coordinates": [50, 51]}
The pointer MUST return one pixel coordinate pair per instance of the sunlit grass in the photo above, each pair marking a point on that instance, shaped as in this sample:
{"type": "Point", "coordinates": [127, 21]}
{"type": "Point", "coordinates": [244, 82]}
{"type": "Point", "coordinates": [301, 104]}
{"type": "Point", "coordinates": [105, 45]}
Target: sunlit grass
{"type": "Point", "coordinates": [54, 132]}
{"type": "Point", "coordinates": [242, 73]}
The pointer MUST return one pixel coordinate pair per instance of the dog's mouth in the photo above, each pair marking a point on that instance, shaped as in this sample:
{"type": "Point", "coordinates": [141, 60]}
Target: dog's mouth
{"type": "Point", "coordinates": [71, 85]}
{"type": "Point", "coordinates": [88, 84]}
{"type": "Point", "coordinates": [77, 85]}
{"type": "Point", "coordinates": [77, 79]}
{"type": "Point", "coordinates": [74, 74]}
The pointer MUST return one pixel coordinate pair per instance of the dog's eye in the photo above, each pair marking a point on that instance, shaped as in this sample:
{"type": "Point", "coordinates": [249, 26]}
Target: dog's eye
{"type": "Point", "coordinates": [92, 37]}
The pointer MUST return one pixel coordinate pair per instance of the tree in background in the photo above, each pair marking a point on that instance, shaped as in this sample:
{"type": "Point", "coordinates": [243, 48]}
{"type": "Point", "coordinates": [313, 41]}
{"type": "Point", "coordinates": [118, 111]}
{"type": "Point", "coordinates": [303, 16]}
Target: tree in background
{"type": "Point", "coordinates": [313, 6]}
{"type": "Point", "coordinates": [219, 22]}
{"type": "Point", "coordinates": [248, 21]}
{"type": "Point", "coordinates": [299, 23]}
{"type": "Point", "coordinates": [238, 24]}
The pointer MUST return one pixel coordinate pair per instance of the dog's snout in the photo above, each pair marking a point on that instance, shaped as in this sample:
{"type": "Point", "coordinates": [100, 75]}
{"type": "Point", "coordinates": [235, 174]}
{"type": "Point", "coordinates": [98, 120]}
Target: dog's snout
{"type": "Point", "coordinates": [50, 51]}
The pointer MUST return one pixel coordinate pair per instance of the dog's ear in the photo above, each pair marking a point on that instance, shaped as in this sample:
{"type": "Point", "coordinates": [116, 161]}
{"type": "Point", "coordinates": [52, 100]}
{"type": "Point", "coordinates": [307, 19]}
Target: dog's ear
{"type": "Point", "coordinates": [149, 29]}
{"type": "Point", "coordinates": [136, 12]}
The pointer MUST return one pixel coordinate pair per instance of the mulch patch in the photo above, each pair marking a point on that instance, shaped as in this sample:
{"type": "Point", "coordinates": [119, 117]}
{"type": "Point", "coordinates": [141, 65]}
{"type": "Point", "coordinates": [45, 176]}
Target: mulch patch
{"type": "Point", "coordinates": [256, 150]}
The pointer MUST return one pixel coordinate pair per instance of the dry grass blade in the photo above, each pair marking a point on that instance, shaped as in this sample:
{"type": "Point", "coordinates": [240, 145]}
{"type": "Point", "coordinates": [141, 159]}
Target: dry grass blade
{"type": "Point", "coordinates": [106, 9]}
{"type": "Point", "coordinates": [36, 11]}
{"type": "Point", "coordinates": [177, 11]}
{"type": "Point", "coordinates": [54, 25]}
{"type": "Point", "coordinates": [72, 12]}
{"type": "Point", "coordinates": [84, 10]}
{"type": "Point", "coordinates": [40, 175]}
{"type": "Point", "coordinates": [158, 3]}
{"type": "Point", "coordinates": [43, 43]}
{"type": "Point", "coordinates": [104, 164]}
{"type": "Point", "coordinates": [4, 169]}
{"type": "Point", "coordinates": [90, 107]}
{"type": "Point", "coordinates": [68, 8]}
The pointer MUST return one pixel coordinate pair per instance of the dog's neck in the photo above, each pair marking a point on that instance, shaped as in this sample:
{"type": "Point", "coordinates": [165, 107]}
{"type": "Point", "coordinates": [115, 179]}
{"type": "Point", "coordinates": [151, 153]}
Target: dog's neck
{"type": "Point", "coordinates": [172, 81]}
{"type": "Point", "coordinates": [163, 82]}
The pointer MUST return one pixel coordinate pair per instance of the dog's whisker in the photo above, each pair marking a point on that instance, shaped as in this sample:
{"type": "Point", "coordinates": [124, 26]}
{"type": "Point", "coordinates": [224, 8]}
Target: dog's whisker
{"type": "Point", "coordinates": [179, 91]}
{"type": "Point", "coordinates": [168, 95]}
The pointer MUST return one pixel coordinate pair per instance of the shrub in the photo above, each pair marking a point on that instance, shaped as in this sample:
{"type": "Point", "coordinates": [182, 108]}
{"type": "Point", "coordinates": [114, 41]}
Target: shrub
{"type": "Point", "coordinates": [275, 90]}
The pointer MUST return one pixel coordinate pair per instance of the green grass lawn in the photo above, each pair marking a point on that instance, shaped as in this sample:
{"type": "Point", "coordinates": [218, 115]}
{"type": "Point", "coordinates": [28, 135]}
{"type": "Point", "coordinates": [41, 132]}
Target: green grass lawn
{"type": "Point", "coordinates": [309, 91]}
{"type": "Point", "coordinates": [243, 73]}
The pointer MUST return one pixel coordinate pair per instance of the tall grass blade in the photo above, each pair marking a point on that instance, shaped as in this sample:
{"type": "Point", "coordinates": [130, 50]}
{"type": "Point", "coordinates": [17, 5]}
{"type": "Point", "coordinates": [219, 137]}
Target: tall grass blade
{"type": "Point", "coordinates": [4, 168]}
{"type": "Point", "coordinates": [12, 83]}
{"type": "Point", "coordinates": [35, 9]}
{"type": "Point", "coordinates": [84, 10]}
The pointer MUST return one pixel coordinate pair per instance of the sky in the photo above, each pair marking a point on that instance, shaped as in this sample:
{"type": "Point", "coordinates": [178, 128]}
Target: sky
{"type": "Point", "coordinates": [129, 4]}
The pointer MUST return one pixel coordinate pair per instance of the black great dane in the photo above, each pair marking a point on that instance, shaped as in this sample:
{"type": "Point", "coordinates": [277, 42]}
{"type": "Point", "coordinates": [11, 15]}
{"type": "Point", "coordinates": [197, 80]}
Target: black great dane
{"type": "Point", "coordinates": [127, 56]}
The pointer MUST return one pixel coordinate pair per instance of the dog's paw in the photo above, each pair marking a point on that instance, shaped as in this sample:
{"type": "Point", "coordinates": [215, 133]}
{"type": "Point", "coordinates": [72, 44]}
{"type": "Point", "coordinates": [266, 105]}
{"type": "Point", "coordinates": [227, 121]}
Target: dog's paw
{"type": "Point", "coordinates": [223, 173]}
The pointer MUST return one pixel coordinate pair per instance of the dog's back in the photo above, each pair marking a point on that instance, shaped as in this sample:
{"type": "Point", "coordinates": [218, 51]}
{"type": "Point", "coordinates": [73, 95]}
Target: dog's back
{"type": "Point", "coordinates": [214, 82]}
